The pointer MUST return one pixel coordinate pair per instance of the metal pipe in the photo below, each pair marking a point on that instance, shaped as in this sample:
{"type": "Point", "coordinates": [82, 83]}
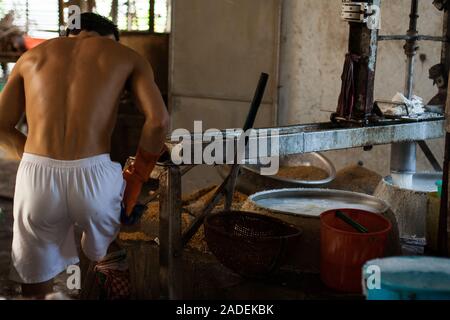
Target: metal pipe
{"type": "Point", "coordinates": [409, 81]}
{"type": "Point", "coordinates": [443, 227]}
{"type": "Point", "coordinates": [408, 37]}
{"type": "Point", "coordinates": [403, 155]}
{"type": "Point", "coordinates": [443, 230]}
{"type": "Point", "coordinates": [411, 48]}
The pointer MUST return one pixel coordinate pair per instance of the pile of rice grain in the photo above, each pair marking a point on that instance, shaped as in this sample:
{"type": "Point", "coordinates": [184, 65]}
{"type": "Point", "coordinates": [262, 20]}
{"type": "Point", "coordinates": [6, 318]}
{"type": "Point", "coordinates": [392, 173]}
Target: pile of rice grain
{"type": "Point", "coordinates": [193, 204]}
{"type": "Point", "coordinates": [357, 179]}
{"type": "Point", "coordinates": [305, 173]}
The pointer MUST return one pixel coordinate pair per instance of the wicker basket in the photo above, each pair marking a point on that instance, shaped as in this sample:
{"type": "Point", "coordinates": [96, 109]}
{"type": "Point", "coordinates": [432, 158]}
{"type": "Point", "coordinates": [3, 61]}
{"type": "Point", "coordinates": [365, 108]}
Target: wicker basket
{"type": "Point", "coordinates": [250, 244]}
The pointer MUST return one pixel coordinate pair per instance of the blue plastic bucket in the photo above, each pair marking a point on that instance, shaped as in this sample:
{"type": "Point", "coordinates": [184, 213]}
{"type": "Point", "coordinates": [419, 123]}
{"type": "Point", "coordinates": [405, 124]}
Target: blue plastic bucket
{"type": "Point", "coordinates": [407, 278]}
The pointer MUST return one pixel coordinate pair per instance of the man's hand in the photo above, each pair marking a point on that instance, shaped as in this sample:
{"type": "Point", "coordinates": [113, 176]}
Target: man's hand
{"type": "Point", "coordinates": [136, 175]}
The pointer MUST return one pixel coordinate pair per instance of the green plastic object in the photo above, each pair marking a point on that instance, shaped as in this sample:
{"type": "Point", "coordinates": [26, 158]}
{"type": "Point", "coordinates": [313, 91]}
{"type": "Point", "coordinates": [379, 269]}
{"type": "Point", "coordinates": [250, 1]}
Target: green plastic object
{"type": "Point", "coordinates": [439, 185]}
{"type": "Point", "coordinates": [350, 221]}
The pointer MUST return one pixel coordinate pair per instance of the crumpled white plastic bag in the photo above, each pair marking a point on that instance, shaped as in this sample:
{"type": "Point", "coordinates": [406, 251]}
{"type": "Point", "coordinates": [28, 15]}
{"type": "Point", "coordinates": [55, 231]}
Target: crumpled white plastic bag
{"type": "Point", "coordinates": [415, 104]}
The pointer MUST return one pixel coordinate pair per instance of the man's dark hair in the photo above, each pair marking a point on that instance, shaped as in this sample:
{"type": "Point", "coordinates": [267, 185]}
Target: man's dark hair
{"type": "Point", "coordinates": [94, 22]}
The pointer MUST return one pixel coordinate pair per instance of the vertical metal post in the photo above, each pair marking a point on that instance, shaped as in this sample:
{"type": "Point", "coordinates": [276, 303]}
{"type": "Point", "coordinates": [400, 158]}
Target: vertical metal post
{"type": "Point", "coordinates": [170, 248]}
{"type": "Point", "coordinates": [364, 42]}
{"type": "Point", "coordinates": [151, 16]}
{"type": "Point", "coordinates": [403, 155]}
{"type": "Point", "coordinates": [61, 17]}
{"type": "Point", "coordinates": [443, 233]}
{"type": "Point", "coordinates": [27, 17]}
{"type": "Point", "coordinates": [443, 229]}
{"type": "Point", "coordinates": [115, 11]}
{"type": "Point", "coordinates": [411, 48]}
{"type": "Point", "coordinates": [445, 54]}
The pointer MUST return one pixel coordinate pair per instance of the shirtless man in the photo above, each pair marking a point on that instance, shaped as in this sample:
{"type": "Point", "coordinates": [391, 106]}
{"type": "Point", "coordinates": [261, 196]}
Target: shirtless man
{"type": "Point", "coordinates": [69, 89]}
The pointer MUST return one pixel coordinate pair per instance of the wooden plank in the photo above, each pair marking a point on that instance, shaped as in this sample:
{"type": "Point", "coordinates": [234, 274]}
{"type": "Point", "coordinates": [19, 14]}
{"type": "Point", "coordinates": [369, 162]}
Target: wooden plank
{"type": "Point", "coordinates": [170, 234]}
{"type": "Point", "coordinates": [8, 171]}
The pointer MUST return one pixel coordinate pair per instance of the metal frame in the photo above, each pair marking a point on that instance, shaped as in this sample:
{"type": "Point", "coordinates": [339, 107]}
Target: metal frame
{"type": "Point", "coordinates": [304, 139]}
{"type": "Point", "coordinates": [293, 140]}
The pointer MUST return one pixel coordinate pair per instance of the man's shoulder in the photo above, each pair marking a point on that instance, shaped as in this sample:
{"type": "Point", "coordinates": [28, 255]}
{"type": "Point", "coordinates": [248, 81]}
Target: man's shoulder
{"type": "Point", "coordinates": [113, 47]}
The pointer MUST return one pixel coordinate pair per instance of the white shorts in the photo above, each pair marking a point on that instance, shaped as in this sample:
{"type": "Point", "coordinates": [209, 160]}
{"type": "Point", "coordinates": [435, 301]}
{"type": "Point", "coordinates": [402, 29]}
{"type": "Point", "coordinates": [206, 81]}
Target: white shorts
{"type": "Point", "coordinates": [51, 196]}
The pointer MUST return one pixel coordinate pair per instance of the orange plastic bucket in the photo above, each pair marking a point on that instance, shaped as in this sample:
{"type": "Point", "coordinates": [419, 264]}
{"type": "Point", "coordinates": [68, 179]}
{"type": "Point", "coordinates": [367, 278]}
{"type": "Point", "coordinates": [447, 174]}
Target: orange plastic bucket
{"type": "Point", "coordinates": [30, 43]}
{"type": "Point", "coordinates": [344, 251]}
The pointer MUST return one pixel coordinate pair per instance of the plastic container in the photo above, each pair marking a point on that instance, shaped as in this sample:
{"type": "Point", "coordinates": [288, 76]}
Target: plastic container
{"type": "Point", "coordinates": [30, 43]}
{"type": "Point", "coordinates": [407, 278]}
{"type": "Point", "coordinates": [303, 207]}
{"type": "Point", "coordinates": [343, 250]}
{"type": "Point", "coordinates": [439, 185]}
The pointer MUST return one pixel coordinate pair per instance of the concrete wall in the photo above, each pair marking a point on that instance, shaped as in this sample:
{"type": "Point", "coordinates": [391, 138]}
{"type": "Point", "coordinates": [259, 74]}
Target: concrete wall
{"type": "Point", "coordinates": [218, 50]}
{"type": "Point", "coordinates": [219, 47]}
{"type": "Point", "coordinates": [313, 45]}
{"type": "Point", "coordinates": [155, 47]}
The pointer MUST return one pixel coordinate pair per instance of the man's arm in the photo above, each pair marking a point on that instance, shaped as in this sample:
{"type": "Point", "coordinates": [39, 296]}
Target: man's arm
{"type": "Point", "coordinates": [150, 102]}
{"type": "Point", "coordinates": [12, 106]}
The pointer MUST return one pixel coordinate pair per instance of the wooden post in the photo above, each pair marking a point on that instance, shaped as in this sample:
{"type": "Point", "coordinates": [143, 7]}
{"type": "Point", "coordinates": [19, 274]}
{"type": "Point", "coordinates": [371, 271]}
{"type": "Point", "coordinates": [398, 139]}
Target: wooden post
{"type": "Point", "coordinates": [443, 231]}
{"type": "Point", "coordinates": [364, 43]}
{"type": "Point", "coordinates": [170, 250]}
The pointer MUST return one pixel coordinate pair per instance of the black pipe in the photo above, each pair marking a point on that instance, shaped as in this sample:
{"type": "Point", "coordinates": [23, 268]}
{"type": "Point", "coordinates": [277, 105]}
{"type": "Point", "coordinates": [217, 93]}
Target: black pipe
{"type": "Point", "coordinates": [395, 37]}
{"type": "Point", "coordinates": [257, 98]}
{"type": "Point", "coordinates": [414, 15]}
{"type": "Point", "coordinates": [430, 156]}
{"type": "Point", "coordinates": [443, 213]}
{"type": "Point", "coordinates": [231, 178]}
{"type": "Point", "coordinates": [411, 47]}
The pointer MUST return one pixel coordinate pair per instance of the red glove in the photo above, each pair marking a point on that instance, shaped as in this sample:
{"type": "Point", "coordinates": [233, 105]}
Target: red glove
{"type": "Point", "coordinates": [136, 175]}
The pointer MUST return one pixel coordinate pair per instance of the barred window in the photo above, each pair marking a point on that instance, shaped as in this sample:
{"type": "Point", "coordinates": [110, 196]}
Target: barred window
{"type": "Point", "coordinates": [44, 18]}
{"type": "Point", "coordinates": [137, 15]}
{"type": "Point", "coordinates": [39, 19]}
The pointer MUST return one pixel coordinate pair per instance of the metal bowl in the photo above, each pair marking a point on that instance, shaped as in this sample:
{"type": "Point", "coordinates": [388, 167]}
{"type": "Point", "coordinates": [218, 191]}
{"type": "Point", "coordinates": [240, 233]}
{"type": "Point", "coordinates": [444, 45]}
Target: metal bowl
{"type": "Point", "coordinates": [311, 203]}
{"type": "Point", "coordinates": [251, 181]}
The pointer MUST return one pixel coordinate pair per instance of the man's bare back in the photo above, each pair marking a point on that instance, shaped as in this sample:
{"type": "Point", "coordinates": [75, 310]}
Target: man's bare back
{"type": "Point", "coordinates": [69, 89]}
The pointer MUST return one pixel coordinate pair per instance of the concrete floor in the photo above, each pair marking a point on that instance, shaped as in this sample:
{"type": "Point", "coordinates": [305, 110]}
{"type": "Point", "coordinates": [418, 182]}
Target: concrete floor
{"type": "Point", "coordinates": [208, 279]}
{"type": "Point", "coordinates": [7, 288]}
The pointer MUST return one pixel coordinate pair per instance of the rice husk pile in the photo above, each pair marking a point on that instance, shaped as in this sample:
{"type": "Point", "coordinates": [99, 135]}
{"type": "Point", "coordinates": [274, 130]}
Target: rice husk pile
{"type": "Point", "coordinates": [135, 236]}
{"type": "Point", "coordinates": [357, 179]}
{"type": "Point", "coordinates": [193, 204]}
{"type": "Point", "coordinates": [305, 173]}
{"type": "Point", "coordinates": [196, 202]}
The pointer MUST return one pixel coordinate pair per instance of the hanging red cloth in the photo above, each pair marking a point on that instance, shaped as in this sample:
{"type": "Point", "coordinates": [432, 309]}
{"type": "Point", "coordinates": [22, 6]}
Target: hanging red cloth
{"type": "Point", "coordinates": [30, 43]}
{"type": "Point", "coordinates": [347, 96]}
